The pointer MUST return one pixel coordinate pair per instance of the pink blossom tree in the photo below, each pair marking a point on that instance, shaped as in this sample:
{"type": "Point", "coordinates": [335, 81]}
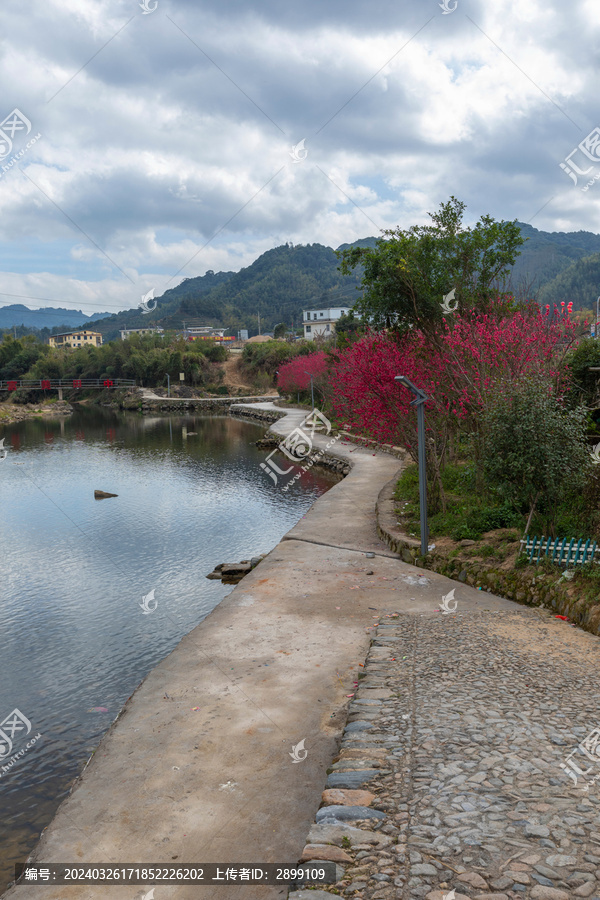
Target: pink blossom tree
{"type": "Point", "coordinates": [476, 356]}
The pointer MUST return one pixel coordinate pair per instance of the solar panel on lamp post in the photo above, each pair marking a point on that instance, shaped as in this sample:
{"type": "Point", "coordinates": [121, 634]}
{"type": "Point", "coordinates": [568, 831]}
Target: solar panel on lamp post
{"type": "Point", "coordinates": [419, 402]}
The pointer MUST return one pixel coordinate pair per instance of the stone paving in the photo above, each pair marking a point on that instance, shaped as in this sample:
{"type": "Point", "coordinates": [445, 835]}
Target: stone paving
{"type": "Point", "coordinates": [448, 784]}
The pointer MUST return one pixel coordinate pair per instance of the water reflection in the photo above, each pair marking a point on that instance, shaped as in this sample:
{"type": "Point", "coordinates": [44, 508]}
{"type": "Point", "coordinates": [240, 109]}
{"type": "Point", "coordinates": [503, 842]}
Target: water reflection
{"type": "Point", "coordinates": [75, 639]}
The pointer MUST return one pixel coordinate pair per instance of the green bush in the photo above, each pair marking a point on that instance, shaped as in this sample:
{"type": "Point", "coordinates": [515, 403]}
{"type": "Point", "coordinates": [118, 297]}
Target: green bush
{"type": "Point", "coordinates": [579, 359]}
{"type": "Point", "coordinates": [490, 518]}
{"type": "Point", "coordinates": [464, 533]}
{"type": "Point", "coordinates": [267, 357]}
{"type": "Point", "coordinates": [534, 452]}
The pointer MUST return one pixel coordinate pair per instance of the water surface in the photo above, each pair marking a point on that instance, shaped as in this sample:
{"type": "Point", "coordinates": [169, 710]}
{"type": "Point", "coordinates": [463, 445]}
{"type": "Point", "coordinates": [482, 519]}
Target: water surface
{"type": "Point", "coordinates": [75, 638]}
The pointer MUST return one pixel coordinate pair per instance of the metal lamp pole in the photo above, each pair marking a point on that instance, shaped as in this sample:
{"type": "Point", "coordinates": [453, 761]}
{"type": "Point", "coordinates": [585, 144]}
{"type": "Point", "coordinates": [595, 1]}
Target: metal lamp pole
{"type": "Point", "coordinates": [312, 392]}
{"type": "Point", "coordinates": [419, 402]}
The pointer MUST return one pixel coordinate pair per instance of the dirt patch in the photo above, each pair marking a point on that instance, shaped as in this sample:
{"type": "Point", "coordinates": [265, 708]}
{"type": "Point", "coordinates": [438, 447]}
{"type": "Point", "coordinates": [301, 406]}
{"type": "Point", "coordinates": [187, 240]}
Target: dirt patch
{"type": "Point", "coordinates": [233, 377]}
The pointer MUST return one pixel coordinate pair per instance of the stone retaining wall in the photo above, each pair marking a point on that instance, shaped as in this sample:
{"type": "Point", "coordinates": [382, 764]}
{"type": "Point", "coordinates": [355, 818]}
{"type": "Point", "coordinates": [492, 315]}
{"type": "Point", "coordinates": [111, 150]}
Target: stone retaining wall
{"type": "Point", "coordinates": [531, 586]}
{"type": "Point", "coordinates": [204, 404]}
{"type": "Point", "coordinates": [398, 452]}
{"type": "Point", "coordinates": [257, 415]}
{"type": "Point", "coordinates": [341, 467]}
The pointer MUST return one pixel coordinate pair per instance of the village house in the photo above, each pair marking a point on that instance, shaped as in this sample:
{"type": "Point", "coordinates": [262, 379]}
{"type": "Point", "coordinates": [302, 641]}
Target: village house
{"type": "Point", "coordinates": [321, 322]}
{"type": "Point", "coordinates": [83, 338]}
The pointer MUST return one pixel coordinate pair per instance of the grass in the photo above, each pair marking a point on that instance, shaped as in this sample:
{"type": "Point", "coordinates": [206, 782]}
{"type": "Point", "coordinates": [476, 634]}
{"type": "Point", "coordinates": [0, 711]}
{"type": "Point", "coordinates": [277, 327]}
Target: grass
{"type": "Point", "coordinates": [468, 516]}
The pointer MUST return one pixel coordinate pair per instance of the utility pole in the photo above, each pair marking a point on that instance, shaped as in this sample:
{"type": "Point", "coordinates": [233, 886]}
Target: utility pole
{"type": "Point", "coordinates": [258, 322]}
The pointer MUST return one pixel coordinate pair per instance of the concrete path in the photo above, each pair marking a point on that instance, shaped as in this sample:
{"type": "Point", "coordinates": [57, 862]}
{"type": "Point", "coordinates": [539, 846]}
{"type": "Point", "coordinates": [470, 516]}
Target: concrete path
{"type": "Point", "coordinates": [148, 394]}
{"type": "Point", "coordinates": [198, 768]}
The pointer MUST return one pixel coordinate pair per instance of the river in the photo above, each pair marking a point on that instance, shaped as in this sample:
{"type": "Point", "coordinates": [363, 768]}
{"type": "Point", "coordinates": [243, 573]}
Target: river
{"type": "Point", "coordinates": [77, 634]}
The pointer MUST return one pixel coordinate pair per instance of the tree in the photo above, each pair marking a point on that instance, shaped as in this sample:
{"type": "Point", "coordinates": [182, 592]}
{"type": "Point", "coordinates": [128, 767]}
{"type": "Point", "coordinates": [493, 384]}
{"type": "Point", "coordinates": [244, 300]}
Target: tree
{"type": "Point", "coordinates": [535, 448]}
{"type": "Point", "coordinates": [347, 328]}
{"type": "Point", "coordinates": [408, 274]}
{"type": "Point", "coordinates": [280, 330]}
{"type": "Point", "coordinates": [474, 361]}
{"type": "Point", "coordinates": [579, 359]}
{"type": "Point", "coordinates": [295, 375]}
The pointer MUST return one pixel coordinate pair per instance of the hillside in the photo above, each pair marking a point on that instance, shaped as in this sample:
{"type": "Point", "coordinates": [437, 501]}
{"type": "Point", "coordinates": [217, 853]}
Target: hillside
{"type": "Point", "coordinates": [553, 266]}
{"type": "Point", "coordinates": [544, 255]}
{"type": "Point", "coordinates": [278, 286]}
{"type": "Point", "coordinates": [580, 282]}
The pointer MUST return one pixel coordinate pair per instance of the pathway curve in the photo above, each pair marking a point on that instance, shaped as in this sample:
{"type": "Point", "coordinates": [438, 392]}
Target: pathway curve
{"type": "Point", "coordinates": [198, 768]}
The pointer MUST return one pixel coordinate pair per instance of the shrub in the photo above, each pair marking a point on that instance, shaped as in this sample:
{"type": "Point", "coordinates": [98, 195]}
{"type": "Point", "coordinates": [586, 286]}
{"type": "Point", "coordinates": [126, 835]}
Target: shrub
{"type": "Point", "coordinates": [535, 450]}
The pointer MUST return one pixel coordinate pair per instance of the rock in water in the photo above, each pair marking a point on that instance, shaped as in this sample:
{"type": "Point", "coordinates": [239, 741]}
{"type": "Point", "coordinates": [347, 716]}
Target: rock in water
{"type": "Point", "coordinates": [234, 572]}
{"type": "Point", "coordinates": [101, 495]}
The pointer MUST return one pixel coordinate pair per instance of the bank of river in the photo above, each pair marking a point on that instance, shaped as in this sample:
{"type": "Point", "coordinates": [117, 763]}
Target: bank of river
{"type": "Point", "coordinates": [75, 639]}
{"type": "Point", "coordinates": [13, 412]}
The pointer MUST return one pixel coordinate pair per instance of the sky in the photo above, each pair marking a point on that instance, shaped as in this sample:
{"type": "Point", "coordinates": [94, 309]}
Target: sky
{"type": "Point", "coordinates": [147, 141]}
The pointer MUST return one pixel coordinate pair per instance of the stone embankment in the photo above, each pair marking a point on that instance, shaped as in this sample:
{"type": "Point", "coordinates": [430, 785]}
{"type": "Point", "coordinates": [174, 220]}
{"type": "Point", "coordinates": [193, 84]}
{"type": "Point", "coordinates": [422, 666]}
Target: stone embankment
{"type": "Point", "coordinates": [11, 412]}
{"type": "Point", "coordinates": [314, 458]}
{"type": "Point", "coordinates": [262, 416]}
{"type": "Point", "coordinates": [199, 405]}
{"type": "Point", "coordinates": [531, 585]}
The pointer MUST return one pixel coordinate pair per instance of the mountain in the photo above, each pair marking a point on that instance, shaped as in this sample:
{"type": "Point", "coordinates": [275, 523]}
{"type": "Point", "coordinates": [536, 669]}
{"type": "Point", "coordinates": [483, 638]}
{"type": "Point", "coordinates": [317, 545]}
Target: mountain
{"type": "Point", "coordinates": [552, 266]}
{"type": "Point", "coordinates": [579, 283]}
{"type": "Point", "coordinates": [47, 317]}
{"type": "Point", "coordinates": [277, 286]}
{"type": "Point", "coordinates": [545, 254]}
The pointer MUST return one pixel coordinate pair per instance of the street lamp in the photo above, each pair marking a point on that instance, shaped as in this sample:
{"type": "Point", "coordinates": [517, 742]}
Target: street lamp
{"type": "Point", "coordinates": [312, 392]}
{"type": "Point", "coordinates": [419, 402]}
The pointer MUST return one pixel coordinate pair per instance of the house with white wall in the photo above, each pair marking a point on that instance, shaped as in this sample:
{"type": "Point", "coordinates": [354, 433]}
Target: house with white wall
{"type": "Point", "coordinates": [321, 322]}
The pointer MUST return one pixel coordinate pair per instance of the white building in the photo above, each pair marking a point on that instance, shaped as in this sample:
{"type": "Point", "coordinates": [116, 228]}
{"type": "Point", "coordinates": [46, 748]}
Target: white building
{"type": "Point", "coordinates": [321, 322]}
{"type": "Point", "coordinates": [125, 332]}
{"type": "Point", "coordinates": [204, 331]}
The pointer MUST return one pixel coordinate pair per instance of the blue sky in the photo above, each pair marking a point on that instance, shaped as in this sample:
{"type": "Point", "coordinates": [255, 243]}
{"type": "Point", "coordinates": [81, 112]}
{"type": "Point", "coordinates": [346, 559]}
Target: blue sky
{"type": "Point", "coordinates": [166, 136]}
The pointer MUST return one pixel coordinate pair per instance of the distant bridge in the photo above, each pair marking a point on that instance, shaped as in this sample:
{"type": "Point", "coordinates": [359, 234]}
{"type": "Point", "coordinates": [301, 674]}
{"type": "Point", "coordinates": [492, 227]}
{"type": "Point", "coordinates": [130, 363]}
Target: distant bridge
{"type": "Point", "coordinates": [68, 384]}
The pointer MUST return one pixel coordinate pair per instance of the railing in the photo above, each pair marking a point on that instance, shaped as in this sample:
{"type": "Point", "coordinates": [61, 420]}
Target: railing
{"type": "Point", "coordinates": [563, 555]}
{"type": "Point", "coordinates": [71, 384]}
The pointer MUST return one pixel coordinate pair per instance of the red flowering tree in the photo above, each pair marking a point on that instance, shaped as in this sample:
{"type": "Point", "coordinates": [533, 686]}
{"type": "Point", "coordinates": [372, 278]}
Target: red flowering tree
{"type": "Point", "coordinates": [477, 355]}
{"type": "Point", "coordinates": [295, 374]}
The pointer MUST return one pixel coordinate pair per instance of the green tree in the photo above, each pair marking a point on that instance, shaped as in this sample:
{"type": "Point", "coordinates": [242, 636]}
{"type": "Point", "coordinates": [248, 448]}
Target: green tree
{"type": "Point", "coordinates": [534, 451]}
{"type": "Point", "coordinates": [585, 384]}
{"type": "Point", "coordinates": [407, 275]}
{"type": "Point", "coordinates": [280, 330]}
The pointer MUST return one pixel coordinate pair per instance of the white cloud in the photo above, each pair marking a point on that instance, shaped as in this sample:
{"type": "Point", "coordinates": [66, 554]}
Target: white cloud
{"type": "Point", "coordinates": [152, 148]}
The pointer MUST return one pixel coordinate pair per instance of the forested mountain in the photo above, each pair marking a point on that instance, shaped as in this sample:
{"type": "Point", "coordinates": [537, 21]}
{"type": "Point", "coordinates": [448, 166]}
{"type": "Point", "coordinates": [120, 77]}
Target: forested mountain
{"type": "Point", "coordinates": [580, 282]}
{"type": "Point", "coordinates": [552, 266]}
{"type": "Point", "coordinates": [277, 286]}
{"type": "Point", "coordinates": [544, 255]}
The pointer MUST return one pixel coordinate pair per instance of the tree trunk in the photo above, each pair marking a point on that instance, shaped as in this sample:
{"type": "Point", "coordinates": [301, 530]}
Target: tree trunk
{"type": "Point", "coordinates": [437, 475]}
{"type": "Point", "coordinates": [531, 511]}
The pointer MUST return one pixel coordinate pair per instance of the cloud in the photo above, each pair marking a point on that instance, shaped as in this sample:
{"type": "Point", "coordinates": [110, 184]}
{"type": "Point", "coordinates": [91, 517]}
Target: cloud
{"type": "Point", "coordinates": [166, 137]}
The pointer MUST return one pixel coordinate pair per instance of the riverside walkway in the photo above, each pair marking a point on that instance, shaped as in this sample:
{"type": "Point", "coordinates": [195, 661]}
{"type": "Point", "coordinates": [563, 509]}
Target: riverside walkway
{"type": "Point", "coordinates": [455, 740]}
